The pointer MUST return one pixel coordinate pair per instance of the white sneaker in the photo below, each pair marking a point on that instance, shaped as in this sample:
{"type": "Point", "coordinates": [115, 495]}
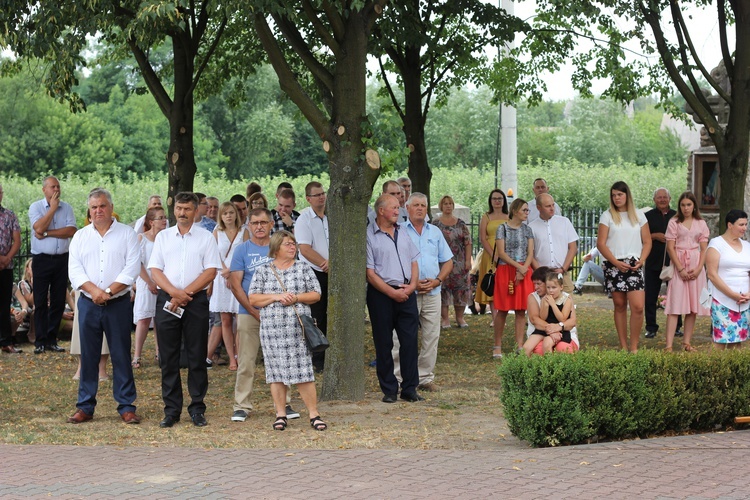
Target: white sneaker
{"type": "Point", "coordinates": [239, 416]}
{"type": "Point", "coordinates": [290, 413]}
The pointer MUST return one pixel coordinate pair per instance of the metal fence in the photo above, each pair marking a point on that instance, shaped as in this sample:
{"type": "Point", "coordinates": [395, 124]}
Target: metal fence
{"type": "Point", "coordinates": [585, 222]}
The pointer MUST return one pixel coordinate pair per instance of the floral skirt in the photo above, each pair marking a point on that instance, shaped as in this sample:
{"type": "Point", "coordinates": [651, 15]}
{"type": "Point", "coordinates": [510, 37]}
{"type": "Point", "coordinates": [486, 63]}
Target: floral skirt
{"type": "Point", "coordinates": [617, 281]}
{"type": "Point", "coordinates": [728, 326]}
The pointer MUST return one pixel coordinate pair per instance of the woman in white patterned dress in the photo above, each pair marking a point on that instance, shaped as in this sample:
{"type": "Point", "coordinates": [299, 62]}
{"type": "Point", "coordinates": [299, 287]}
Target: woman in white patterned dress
{"type": "Point", "coordinates": [281, 290]}
{"type": "Point", "coordinates": [229, 234]}
{"type": "Point", "coordinates": [144, 308]}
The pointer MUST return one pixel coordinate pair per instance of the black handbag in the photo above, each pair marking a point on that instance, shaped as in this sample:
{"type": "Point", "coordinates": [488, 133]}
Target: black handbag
{"type": "Point", "coordinates": [314, 338]}
{"type": "Point", "coordinates": [316, 341]}
{"type": "Point", "coordinates": [488, 282]}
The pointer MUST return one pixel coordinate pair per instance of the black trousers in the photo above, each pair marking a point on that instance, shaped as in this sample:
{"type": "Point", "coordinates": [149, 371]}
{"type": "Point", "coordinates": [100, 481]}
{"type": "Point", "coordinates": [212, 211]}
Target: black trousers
{"type": "Point", "coordinates": [192, 329]}
{"type": "Point", "coordinates": [319, 311]}
{"type": "Point", "coordinates": [653, 287]}
{"type": "Point", "coordinates": [385, 316]}
{"type": "Point", "coordinates": [50, 286]}
{"type": "Point", "coordinates": [6, 294]}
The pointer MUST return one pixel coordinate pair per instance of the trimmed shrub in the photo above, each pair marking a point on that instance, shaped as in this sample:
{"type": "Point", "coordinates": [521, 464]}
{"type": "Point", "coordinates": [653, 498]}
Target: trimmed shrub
{"type": "Point", "coordinates": [593, 394]}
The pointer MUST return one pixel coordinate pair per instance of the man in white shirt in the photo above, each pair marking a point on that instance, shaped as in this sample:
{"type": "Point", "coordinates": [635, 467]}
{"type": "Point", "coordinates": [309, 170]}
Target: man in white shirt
{"type": "Point", "coordinates": [540, 187]}
{"type": "Point", "coordinates": [53, 224]}
{"type": "Point", "coordinates": [154, 201]}
{"type": "Point", "coordinates": [104, 262]}
{"type": "Point", "coordinates": [183, 263]}
{"type": "Point", "coordinates": [555, 240]}
{"type": "Point", "coordinates": [312, 237]}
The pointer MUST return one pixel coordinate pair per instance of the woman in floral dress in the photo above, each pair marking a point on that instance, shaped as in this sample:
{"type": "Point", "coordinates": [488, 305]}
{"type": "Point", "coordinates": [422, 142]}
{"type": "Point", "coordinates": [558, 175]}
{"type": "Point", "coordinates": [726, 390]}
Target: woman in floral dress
{"type": "Point", "coordinates": [456, 290]}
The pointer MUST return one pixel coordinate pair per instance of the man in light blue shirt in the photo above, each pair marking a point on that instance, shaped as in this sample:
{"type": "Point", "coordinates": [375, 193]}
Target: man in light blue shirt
{"type": "Point", "coordinates": [53, 225]}
{"type": "Point", "coordinates": [435, 264]}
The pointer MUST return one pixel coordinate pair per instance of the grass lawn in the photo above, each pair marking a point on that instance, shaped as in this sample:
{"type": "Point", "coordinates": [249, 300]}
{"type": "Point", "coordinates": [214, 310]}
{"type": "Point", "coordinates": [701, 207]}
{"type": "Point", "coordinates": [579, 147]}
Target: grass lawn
{"type": "Point", "coordinates": [38, 394]}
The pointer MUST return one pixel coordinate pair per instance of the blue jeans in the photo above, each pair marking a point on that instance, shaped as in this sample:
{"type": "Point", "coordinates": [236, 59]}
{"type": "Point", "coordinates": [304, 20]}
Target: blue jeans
{"type": "Point", "coordinates": [113, 320]}
{"type": "Point", "coordinates": [592, 268]}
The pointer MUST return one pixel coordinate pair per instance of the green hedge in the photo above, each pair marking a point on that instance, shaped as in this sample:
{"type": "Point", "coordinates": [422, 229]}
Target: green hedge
{"type": "Point", "coordinates": [568, 399]}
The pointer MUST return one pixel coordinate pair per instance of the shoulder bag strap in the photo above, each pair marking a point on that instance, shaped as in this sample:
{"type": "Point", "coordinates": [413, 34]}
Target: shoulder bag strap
{"type": "Point", "coordinates": [278, 278]}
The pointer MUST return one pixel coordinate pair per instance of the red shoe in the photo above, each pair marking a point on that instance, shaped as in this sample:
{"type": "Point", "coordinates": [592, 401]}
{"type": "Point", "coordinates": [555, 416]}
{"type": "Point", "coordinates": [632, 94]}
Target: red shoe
{"type": "Point", "coordinates": [11, 349]}
{"type": "Point", "coordinates": [129, 417]}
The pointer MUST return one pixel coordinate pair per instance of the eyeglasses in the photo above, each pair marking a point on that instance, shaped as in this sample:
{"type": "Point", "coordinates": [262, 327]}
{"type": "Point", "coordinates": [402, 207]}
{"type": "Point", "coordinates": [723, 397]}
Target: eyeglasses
{"type": "Point", "coordinates": [497, 199]}
{"type": "Point", "coordinates": [258, 204]}
{"type": "Point", "coordinates": [159, 218]}
{"type": "Point", "coordinates": [316, 195]}
{"type": "Point", "coordinates": [259, 223]}
{"type": "Point", "coordinates": [525, 210]}
{"type": "Point", "coordinates": [289, 244]}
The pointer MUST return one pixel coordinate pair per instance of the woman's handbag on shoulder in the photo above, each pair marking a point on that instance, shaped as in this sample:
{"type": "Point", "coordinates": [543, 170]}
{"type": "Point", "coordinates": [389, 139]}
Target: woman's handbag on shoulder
{"type": "Point", "coordinates": [667, 272]}
{"type": "Point", "coordinates": [488, 282]}
{"type": "Point", "coordinates": [314, 338]}
{"type": "Point", "coordinates": [316, 341]}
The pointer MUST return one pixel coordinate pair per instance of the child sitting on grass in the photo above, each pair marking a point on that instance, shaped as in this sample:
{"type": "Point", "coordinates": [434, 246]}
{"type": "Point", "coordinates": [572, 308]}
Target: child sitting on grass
{"type": "Point", "coordinates": [552, 314]}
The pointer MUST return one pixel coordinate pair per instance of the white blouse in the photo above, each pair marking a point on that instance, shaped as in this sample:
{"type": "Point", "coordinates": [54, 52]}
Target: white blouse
{"type": "Point", "coordinates": [733, 270]}
{"type": "Point", "coordinates": [624, 239]}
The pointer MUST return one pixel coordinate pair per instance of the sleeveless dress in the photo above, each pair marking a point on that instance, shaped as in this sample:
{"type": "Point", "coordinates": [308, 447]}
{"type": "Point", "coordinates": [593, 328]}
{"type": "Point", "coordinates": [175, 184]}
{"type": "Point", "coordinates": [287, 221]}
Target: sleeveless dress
{"type": "Point", "coordinates": [222, 298]}
{"type": "Point", "coordinates": [145, 301]}
{"type": "Point", "coordinates": [485, 264]}
{"type": "Point", "coordinates": [551, 318]}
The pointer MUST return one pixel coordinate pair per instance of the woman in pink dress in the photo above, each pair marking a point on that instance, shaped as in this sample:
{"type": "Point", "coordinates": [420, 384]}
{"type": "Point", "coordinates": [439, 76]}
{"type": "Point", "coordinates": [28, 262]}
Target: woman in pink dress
{"type": "Point", "coordinates": [687, 240]}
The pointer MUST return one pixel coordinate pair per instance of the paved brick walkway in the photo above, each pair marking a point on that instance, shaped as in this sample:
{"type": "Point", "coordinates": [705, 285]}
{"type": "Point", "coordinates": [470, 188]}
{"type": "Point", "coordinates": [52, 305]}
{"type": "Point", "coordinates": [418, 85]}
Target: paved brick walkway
{"type": "Point", "coordinates": [703, 466]}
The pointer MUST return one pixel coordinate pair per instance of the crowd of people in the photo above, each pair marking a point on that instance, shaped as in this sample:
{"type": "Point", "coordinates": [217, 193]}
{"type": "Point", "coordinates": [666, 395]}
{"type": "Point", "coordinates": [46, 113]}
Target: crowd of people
{"type": "Point", "coordinates": [240, 275]}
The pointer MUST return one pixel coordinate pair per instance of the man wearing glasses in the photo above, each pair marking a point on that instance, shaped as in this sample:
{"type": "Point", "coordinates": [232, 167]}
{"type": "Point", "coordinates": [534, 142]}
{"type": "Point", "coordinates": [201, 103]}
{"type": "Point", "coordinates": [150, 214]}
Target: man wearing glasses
{"type": "Point", "coordinates": [248, 257]}
{"type": "Point", "coordinates": [312, 238]}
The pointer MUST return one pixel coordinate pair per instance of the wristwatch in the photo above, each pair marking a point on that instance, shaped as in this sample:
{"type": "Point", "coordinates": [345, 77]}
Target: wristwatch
{"type": "Point", "coordinates": [108, 291]}
{"type": "Point", "coordinates": [562, 325]}
{"type": "Point", "coordinates": [44, 234]}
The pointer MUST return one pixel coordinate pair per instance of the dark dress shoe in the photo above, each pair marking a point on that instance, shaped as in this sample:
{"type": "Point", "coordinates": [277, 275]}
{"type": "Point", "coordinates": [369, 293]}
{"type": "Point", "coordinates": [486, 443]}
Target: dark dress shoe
{"type": "Point", "coordinates": [389, 398]}
{"type": "Point", "coordinates": [10, 349]}
{"type": "Point", "coordinates": [55, 348]}
{"type": "Point", "coordinates": [79, 417]}
{"type": "Point", "coordinates": [168, 421]}
{"type": "Point", "coordinates": [39, 349]}
{"type": "Point", "coordinates": [199, 420]}
{"type": "Point", "coordinates": [650, 335]}
{"type": "Point", "coordinates": [129, 417]}
{"type": "Point", "coordinates": [411, 397]}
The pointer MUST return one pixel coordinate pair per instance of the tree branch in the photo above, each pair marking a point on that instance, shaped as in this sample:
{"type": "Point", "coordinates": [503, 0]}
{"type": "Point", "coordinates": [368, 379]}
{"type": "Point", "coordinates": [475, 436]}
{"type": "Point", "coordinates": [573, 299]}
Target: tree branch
{"type": "Point", "coordinates": [288, 81]}
{"type": "Point", "coordinates": [152, 80]}
{"type": "Point", "coordinates": [696, 100]}
{"type": "Point", "coordinates": [337, 23]}
{"type": "Point", "coordinates": [681, 30]}
{"type": "Point", "coordinates": [192, 15]}
{"type": "Point", "coordinates": [207, 57]}
{"type": "Point", "coordinates": [388, 87]}
{"type": "Point", "coordinates": [300, 47]}
{"type": "Point", "coordinates": [725, 54]}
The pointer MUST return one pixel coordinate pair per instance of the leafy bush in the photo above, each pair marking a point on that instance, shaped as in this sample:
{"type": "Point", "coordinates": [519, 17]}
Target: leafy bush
{"type": "Point", "coordinates": [568, 399]}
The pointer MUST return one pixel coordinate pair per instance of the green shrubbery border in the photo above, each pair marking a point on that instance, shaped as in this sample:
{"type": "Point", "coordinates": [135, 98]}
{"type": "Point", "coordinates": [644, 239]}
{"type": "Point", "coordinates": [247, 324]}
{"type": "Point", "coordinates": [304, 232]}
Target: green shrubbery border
{"type": "Point", "coordinates": [595, 394]}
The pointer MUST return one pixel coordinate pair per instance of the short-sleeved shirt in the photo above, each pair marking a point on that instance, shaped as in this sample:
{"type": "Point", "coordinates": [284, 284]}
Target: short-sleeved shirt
{"type": "Point", "coordinates": [310, 229]}
{"type": "Point", "coordinates": [8, 226]}
{"type": "Point", "coordinates": [433, 250]}
{"type": "Point", "coordinates": [63, 218]}
{"type": "Point", "coordinates": [624, 239]}
{"type": "Point", "coordinates": [516, 241]}
{"type": "Point", "coordinates": [657, 223]}
{"type": "Point", "coordinates": [390, 258]}
{"type": "Point", "coordinates": [551, 240]}
{"type": "Point", "coordinates": [247, 258]}
{"type": "Point", "coordinates": [183, 257]}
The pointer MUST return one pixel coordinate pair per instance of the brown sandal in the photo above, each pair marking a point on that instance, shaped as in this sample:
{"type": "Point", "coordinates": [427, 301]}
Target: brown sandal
{"type": "Point", "coordinates": [689, 348]}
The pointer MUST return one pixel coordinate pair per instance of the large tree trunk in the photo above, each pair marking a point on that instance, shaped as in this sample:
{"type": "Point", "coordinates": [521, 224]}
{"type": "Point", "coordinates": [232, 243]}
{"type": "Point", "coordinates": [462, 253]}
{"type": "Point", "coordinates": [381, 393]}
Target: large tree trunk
{"type": "Point", "coordinates": [414, 122]}
{"type": "Point", "coordinates": [181, 157]}
{"type": "Point", "coordinates": [348, 197]}
{"type": "Point", "coordinates": [733, 153]}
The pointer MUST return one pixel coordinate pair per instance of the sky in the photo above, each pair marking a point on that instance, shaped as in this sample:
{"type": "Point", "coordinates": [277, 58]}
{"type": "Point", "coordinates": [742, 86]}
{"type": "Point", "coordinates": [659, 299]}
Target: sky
{"type": "Point", "coordinates": [702, 25]}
